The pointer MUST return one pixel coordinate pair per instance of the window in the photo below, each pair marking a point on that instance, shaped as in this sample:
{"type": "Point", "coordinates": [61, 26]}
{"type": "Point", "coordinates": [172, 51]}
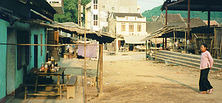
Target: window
{"type": "Point", "coordinates": [131, 28]}
{"type": "Point", "coordinates": [95, 20]}
{"type": "Point", "coordinates": [95, 6]}
{"type": "Point", "coordinates": [123, 27]}
{"type": "Point", "coordinates": [95, 1]}
{"type": "Point", "coordinates": [139, 28]}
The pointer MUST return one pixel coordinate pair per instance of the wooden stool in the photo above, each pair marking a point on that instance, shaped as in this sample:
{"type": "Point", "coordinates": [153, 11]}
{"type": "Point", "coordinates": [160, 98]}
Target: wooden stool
{"type": "Point", "coordinates": [71, 85]}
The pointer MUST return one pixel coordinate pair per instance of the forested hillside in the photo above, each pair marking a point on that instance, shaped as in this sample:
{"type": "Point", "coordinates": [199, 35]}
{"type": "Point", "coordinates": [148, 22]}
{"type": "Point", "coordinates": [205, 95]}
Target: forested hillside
{"type": "Point", "coordinates": [203, 15]}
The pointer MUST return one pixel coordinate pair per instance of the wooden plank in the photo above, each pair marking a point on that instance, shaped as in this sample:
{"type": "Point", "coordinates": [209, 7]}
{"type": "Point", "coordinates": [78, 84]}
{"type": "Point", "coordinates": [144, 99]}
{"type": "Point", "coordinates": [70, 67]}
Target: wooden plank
{"type": "Point", "coordinates": [166, 58]}
{"type": "Point", "coordinates": [180, 61]}
{"type": "Point", "coordinates": [190, 56]}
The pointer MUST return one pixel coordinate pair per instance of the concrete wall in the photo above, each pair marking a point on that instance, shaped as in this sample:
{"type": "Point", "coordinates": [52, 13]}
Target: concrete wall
{"type": "Point", "coordinates": [3, 39]}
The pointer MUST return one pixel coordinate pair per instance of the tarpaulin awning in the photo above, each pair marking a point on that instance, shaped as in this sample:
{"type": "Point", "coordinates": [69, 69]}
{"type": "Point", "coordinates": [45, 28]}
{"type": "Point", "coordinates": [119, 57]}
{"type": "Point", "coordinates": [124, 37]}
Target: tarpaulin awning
{"type": "Point", "coordinates": [134, 39]}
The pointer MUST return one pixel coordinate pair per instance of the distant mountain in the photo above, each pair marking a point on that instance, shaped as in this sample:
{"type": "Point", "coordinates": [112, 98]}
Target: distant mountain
{"type": "Point", "coordinates": [194, 14]}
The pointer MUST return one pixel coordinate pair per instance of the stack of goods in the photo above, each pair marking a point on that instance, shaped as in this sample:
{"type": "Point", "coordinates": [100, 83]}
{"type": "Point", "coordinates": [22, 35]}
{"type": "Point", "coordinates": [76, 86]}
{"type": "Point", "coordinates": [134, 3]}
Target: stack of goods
{"type": "Point", "coordinates": [50, 66]}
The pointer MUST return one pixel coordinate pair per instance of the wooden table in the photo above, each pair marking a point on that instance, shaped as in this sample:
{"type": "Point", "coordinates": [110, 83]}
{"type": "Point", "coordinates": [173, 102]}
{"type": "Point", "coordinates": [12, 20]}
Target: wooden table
{"type": "Point", "coordinates": [43, 74]}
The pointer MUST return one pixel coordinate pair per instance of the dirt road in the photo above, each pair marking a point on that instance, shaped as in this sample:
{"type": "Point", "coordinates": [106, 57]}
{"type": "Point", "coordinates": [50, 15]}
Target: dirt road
{"type": "Point", "coordinates": [128, 78]}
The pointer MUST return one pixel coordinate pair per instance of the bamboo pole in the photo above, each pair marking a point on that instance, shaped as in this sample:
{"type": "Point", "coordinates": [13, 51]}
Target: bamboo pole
{"type": "Point", "coordinates": [55, 45]}
{"type": "Point", "coordinates": [101, 69]}
{"type": "Point", "coordinates": [85, 76]}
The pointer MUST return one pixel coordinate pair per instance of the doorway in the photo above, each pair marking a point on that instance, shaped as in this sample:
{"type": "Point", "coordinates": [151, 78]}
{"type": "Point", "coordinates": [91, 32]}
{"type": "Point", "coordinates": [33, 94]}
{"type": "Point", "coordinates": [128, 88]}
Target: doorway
{"type": "Point", "coordinates": [36, 51]}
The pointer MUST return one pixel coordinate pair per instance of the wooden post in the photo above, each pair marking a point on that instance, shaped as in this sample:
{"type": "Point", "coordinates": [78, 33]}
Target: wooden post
{"type": "Point", "coordinates": [155, 50]}
{"type": "Point", "coordinates": [85, 76]}
{"type": "Point", "coordinates": [208, 21]}
{"type": "Point", "coordinates": [100, 69]}
{"type": "Point", "coordinates": [146, 49]}
{"type": "Point", "coordinates": [79, 12]}
{"type": "Point", "coordinates": [185, 41]}
{"type": "Point", "coordinates": [221, 47]}
{"type": "Point", "coordinates": [165, 43]}
{"type": "Point", "coordinates": [215, 44]}
{"type": "Point", "coordinates": [188, 26]}
{"type": "Point", "coordinates": [166, 16]}
{"type": "Point", "coordinates": [174, 39]}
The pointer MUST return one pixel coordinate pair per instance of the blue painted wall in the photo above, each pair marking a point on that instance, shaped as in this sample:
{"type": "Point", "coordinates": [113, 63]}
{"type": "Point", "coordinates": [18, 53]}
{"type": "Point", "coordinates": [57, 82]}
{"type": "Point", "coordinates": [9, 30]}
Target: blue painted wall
{"type": "Point", "coordinates": [34, 30]}
{"type": "Point", "coordinates": [3, 39]}
{"type": "Point", "coordinates": [19, 72]}
{"type": "Point", "coordinates": [37, 30]}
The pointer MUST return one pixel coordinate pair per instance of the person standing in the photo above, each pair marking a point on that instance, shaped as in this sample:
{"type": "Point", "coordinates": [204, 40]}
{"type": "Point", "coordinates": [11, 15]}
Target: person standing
{"type": "Point", "coordinates": [206, 64]}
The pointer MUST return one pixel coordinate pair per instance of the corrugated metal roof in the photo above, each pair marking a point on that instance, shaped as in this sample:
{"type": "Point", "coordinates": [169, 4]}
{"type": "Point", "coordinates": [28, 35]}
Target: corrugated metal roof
{"type": "Point", "coordinates": [195, 22]}
{"type": "Point", "coordinates": [153, 26]}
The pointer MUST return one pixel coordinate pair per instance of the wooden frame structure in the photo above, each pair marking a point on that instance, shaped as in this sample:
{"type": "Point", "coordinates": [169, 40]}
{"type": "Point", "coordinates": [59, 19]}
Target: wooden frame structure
{"type": "Point", "coordinates": [193, 5]}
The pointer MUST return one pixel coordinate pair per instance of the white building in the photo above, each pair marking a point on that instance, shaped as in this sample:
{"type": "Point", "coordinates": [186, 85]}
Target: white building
{"type": "Point", "coordinates": [58, 5]}
{"type": "Point", "coordinates": [98, 11]}
{"type": "Point", "coordinates": [129, 28]}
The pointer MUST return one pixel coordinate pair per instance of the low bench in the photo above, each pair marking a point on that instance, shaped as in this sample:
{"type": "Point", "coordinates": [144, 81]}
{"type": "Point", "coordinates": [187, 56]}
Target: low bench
{"type": "Point", "coordinates": [71, 85]}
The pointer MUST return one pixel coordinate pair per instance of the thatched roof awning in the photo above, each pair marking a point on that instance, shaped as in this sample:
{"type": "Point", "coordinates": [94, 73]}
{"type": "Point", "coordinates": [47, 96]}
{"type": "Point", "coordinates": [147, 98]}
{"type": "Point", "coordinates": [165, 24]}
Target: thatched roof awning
{"type": "Point", "coordinates": [71, 27]}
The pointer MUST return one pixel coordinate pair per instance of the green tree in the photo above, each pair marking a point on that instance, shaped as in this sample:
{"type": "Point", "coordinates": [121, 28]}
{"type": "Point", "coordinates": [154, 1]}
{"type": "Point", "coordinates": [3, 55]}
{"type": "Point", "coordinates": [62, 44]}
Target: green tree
{"type": "Point", "coordinates": [70, 11]}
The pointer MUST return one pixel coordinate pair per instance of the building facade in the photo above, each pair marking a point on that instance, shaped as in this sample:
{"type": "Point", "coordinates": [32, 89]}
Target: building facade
{"type": "Point", "coordinates": [98, 11]}
{"type": "Point", "coordinates": [128, 28]}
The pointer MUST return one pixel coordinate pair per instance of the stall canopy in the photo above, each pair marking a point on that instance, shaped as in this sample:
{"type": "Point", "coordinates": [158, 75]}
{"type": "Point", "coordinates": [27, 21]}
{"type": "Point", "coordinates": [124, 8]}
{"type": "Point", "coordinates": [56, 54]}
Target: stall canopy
{"type": "Point", "coordinates": [197, 26]}
{"type": "Point", "coordinates": [71, 27]}
{"type": "Point", "coordinates": [134, 39]}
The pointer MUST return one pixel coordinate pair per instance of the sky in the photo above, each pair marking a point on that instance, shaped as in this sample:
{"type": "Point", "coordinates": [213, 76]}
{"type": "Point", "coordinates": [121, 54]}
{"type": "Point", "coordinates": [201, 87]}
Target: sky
{"type": "Point", "coordinates": [149, 4]}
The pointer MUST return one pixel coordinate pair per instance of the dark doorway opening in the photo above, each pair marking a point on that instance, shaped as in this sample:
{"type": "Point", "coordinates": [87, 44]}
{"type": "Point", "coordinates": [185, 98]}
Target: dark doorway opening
{"type": "Point", "coordinates": [36, 51]}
